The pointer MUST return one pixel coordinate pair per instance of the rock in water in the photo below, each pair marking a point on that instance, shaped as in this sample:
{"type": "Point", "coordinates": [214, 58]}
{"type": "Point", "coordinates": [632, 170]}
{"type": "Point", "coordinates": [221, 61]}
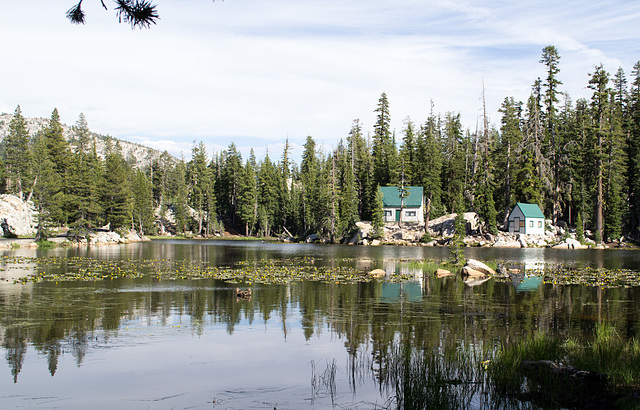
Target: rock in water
{"type": "Point", "coordinates": [441, 273]}
{"type": "Point", "coordinates": [377, 273]}
{"type": "Point", "coordinates": [475, 281]}
{"type": "Point", "coordinates": [472, 273]}
{"type": "Point", "coordinates": [479, 266]}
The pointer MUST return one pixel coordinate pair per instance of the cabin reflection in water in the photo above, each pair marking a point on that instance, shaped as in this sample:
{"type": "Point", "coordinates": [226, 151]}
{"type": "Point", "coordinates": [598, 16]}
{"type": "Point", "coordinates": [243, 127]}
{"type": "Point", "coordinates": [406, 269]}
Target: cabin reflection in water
{"type": "Point", "coordinates": [528, 276]}
{"type": "Point", "coordinates": [410, 290]}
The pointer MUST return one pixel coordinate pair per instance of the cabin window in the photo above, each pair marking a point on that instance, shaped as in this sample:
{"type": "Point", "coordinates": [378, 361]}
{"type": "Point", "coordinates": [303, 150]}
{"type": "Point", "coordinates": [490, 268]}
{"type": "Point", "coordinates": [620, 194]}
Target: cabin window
{"type": "Point", "coordinates": [522, 224]}
{"type": "Point", "coordinates": [410, 213]}
{"type": "Point", "coordinates": [388, 213]}
{"type": "Point", "coordinates": [530, 224]}
{"type": "Point", "coordinates": [539, 224]}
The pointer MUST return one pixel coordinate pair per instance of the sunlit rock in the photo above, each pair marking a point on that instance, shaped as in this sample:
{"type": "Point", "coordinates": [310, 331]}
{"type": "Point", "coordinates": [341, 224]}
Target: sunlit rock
{"type": "Point", "coordinates": [479, 266]}
{"type": "Point", "coordinates": [20, 215]}
{"type": "Point", "coordinates": [472, 273]}
{"type": "Point", "coordinates": [442, 273]}
{"type": "Point", "coordinates": [377, 273]}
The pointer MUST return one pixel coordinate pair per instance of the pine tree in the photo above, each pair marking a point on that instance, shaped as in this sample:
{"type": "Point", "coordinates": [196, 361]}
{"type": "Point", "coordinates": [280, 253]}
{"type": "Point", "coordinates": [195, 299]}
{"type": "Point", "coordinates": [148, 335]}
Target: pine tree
{"type": "Point", "coordinates": [310, 178]}
{"type": "Point", "coordinates": [268, 196]}
{"type": "Point", "coordinates": [85, 174]}
{"type": "Point", "coordinates": [52, 171]}
{"type": "Point", "coordinates": [384, 150]}
{"type": "Point", "coordinates": [248, 198]}
{"type": "Point", "coordinates": [527, 186]}
{"type": "Point", "coordinates": [17, 156]}
{"type": "Point", "coordinates": [408, 151]}
{"type": "Point", "coordinates": [454, 166]}
{"type": "Point", "coordinates": [634, 151]}
{"type": "Point", "coordinates": [142, 207]}
{"type": "Point", "coordinates": [427, 167]}
{"type": "Point", "coordinates": [332, 215]}
{"type": "Point", "coordinates": [228, 183]}
{"type": "Point", "coordinates": [456, 247]}
{"type": "Point", "coordinates": [57, 145]}
{"type": "Point", "coordinates": [599, 102]}
{"type": "Point", "coordinates": [81, 135]}
{"type": "Point", "coordinates": [116, 192]}
{"type": "Point", "coordinates": [285, 214]}
{"type": "Point", "coordinates": [160, 169]}
{"type": "Point", "coordinates": [377, 219]}
{"type": "Point", "coordinates": [178, 193]}
{"type": "Point", "coordinates": [199, 183]}
{"type": "Point", "coordinates": [615, 162]}
{"type": "Point", "coordinates": [533, 145]}
{"type": "Point", "coordinates": [550, 58]}
{"type": "Point", "coordinates": [348, 193]}
{"type": "Point", "coordinates": [579, 228]}
{"type": "Point", "coordinates": [362, 165]}
{"type": "Point", "coordinates": [483, 183]}
{"type": "Point", "coordinates": [509, 148]}
{"type": "Point", "coordinates": [46, 185]}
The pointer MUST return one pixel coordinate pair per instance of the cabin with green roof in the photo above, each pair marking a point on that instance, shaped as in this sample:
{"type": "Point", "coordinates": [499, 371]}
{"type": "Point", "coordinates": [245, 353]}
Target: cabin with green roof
{"type": "Point", "coordinates": [403, 208]}
{"type": "Point", "coordinates": [527, 219]}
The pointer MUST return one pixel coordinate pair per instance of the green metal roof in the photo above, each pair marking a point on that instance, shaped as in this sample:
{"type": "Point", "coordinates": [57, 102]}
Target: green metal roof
{"type": "Point", "coordinates": [391, 196]}
{"type": "Point", "coordinates": [530, 210]}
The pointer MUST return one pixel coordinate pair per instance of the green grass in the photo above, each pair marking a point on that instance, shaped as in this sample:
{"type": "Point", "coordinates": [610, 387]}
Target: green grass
{"type": "Point", "coordinates": [602, 372]}
{"type": "Point", "coordinates": [45, 244]}
{"type": "Point", "coordinates": [613, 367]}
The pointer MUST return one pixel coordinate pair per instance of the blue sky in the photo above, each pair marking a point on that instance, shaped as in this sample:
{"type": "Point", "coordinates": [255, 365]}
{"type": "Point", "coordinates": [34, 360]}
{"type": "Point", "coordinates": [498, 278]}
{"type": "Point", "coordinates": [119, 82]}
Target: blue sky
{"type": "Point", "coordinates": [257, 72]}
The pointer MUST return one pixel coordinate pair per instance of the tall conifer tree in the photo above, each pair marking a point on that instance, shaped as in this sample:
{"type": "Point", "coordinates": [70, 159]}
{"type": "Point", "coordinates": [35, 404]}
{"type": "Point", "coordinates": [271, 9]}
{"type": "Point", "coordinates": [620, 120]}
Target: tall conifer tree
{"type": "Point", "coordinates": [17, 156]}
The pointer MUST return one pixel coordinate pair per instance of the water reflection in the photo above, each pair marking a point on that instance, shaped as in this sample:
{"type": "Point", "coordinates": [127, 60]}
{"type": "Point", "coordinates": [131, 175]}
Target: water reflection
{"type": "Point", "coordinates": [184, 332]}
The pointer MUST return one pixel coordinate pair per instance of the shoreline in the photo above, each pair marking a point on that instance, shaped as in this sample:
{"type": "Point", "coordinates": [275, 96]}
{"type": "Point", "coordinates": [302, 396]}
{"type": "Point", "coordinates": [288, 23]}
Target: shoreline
{"type": "Point", "coordinates": [471, 241]}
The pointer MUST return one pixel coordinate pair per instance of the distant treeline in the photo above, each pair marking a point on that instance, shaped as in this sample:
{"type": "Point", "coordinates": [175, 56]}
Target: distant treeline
{"type": "Point", "coordinates": [580, 162]}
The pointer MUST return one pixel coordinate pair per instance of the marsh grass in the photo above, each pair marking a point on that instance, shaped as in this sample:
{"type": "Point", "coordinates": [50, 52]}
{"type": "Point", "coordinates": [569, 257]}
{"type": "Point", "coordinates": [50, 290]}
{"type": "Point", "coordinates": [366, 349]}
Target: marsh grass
{"type": "Point", "coordinates": [602, 371]}
{"type": "Point", "coordinates": [446, 378]}
{"type": "Point", "coordinates": [608, 353]}
{"type": "Point", "coordinates": [324, 383]}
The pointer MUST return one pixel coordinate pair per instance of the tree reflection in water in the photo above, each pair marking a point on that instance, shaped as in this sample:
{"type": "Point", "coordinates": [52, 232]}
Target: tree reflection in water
{"type": "Point", "coordinates": [385, 328]}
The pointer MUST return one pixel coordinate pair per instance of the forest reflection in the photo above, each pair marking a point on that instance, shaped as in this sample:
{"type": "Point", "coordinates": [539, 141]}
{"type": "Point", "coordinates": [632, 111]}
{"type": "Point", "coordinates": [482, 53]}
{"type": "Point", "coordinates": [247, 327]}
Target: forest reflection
{"type": "Point", "coordinates": [76, 317]}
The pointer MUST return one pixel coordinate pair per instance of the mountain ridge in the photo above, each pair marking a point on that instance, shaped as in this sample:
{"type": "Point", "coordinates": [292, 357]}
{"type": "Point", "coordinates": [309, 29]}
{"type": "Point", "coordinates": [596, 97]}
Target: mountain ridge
{"type": "Point", "coordinates": [131, 151]}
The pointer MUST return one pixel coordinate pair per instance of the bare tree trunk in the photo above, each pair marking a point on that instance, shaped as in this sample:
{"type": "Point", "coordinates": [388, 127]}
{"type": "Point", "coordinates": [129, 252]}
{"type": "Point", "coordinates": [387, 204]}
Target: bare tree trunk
{"type": "Point", "coordinates": [599, 199]}
{"type": "Point", "coordinates": [507, 193]}
{"type": "Point", "coordinates": [427, 216]}
{"type": "Point", "coordinates": [35, 180]}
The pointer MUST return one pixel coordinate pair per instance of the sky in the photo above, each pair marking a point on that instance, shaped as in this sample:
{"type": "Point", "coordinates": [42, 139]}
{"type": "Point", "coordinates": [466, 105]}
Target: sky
{"type": "Point", "coordinates": [256, 73]}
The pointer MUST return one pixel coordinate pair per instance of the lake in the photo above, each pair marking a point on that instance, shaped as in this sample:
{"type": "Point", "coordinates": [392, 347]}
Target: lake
{"type": "Point", "coordinates": [150, 335]}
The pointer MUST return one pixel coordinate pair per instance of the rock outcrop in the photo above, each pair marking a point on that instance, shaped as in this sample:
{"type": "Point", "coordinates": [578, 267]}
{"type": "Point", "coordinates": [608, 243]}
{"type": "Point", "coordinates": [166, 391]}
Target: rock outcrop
{"type": "Point", "coordinates": [20, 216]}
{"type": "Point", "coordinates": [570, 243]}
{"type": "Point", "coordinates": [445, 225]}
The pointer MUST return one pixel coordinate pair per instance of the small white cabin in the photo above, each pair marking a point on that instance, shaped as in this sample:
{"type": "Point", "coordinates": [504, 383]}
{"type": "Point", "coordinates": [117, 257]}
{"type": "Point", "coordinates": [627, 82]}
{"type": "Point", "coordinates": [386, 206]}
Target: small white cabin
{"type": "Point", "coordinates": [527, 219]}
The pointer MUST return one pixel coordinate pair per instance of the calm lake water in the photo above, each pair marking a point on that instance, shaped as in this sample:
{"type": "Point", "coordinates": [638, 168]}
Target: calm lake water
{"type": "Point", "coordinates": [146, 343]}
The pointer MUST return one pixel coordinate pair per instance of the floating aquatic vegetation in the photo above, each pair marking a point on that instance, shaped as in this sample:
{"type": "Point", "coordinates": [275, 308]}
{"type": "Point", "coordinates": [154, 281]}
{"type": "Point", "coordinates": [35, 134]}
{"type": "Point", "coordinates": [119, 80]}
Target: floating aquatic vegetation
{"type": "Point", "coordinates": [607, 278]}
{"type": "Point", "coordinates": [254, 271]}
{"type": "Point", "coordinates": [563, 274]}
{"type": "Point", "coordinates": [266, 271]}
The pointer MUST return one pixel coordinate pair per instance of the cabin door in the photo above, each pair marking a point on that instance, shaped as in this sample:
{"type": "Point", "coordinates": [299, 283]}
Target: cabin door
{"type": "Point", "coordinates": [398, 212]}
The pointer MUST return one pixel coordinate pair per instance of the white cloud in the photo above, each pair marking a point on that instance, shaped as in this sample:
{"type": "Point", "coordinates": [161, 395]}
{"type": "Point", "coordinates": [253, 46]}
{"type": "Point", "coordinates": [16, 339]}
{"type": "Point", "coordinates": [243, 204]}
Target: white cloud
{"type": "Point", "coordinates": [255, 72]}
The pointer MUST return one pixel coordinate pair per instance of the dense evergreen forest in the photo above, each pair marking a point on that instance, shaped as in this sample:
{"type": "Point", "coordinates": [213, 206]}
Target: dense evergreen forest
{"type": "Point", "coordinates": [579, 161]}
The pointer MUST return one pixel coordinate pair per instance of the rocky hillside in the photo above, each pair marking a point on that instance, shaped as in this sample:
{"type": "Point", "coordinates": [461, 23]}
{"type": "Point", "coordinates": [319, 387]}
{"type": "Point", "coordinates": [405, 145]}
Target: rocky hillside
{"type": "Point", "coordinates": [143, 155]}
